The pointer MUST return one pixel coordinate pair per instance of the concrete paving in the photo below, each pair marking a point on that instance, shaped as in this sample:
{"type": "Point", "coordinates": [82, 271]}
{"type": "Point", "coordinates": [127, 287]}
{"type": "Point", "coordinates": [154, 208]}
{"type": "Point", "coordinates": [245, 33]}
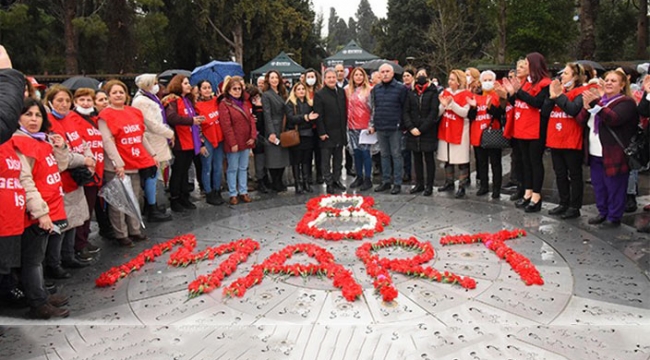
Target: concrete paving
{"type": "Point", "coordinates": [595, 303]}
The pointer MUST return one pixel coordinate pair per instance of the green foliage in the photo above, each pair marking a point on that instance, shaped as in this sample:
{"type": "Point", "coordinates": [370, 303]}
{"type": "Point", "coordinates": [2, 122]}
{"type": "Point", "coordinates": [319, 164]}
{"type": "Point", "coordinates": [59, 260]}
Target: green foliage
{"type": "Point", "coordinates": [544, 26]}
{"type": "Point", "coordinates": [615, 36]}
{"type": "Point", "coordinates": [366, 20]}
{"type": "Point", "coordinates": [404, 31]}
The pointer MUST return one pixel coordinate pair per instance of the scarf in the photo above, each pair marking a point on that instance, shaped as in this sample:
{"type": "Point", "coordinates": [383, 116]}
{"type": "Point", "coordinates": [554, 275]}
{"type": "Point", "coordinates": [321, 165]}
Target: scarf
{"type": "Point", "coordinates": [196, 137]}
{"type": "Point", "coordinates": [155, 99]}
{"type": "Point", "coordinates": [604, 101]}
{"type": "Point", "coordinates": [38, 136]}
{"type": "Point", "coordinates": [421, 88]}
{"type": "Point", "coordinates": [237, 102]}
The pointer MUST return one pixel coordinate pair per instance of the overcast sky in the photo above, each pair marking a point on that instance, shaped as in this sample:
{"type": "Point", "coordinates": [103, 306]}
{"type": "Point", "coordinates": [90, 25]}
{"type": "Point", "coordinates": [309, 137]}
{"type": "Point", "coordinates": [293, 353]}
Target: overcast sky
{"type": "Point", "coordinates": [347, 8]}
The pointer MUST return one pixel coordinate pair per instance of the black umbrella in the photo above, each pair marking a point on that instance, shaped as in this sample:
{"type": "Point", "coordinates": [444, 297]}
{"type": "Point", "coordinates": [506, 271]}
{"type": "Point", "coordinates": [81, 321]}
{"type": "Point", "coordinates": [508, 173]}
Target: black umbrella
{"type": "Point", "coordinates": [593, 64]}
{"type": "Point", "coordinates": [373, 65]}
{"type": "Point", "coordinates": [167, 75]}
{"type": "Point", "coordinates": [77, 82]}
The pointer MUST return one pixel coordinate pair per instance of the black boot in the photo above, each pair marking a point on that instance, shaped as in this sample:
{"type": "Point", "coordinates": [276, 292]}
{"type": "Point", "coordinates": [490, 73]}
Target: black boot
{"type": "Point", "coordinates": [155, 215]}
{"type": "Point", "coordinates": [305, 169]}
{"type": "Point", "coordinates": [214, 198]}
{"type": "Point", "coordinates": [367, 184]}
{"type": "Point", "coordinates": [176, 205]}
{"type": "Point", "coordinates": [297, 179]}
{"type": "Point", "coordinates": [261, 187]}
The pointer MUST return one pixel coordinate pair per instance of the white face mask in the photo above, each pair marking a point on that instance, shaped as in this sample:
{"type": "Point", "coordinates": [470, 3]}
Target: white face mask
{"type": "Point", "coordinates": [569, 84]}
{"type": "Point", "coordinates": [84, 111]}
{"type": "Point", "coordinates": [155, 89]}
{"type": "Point", "coordinates": [469, 79]}
{"type": "Point", "coordinates": [487, 85]}
{"type": "Point", "coordinates": [311, 81]}
{"type": "Point", "coordinates": [435, 83]}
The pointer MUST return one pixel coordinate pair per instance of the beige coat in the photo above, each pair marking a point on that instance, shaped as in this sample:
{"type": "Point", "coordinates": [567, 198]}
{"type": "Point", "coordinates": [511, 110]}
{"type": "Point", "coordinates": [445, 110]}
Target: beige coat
{"type": "Point", "coordinates": [455, 153]}
{"type": "Point", "coordinates": [76, 207]}
{"type": "Point", "coordinates": [157, 133]}
{"type": "Point", "coordinates": [35, 205]}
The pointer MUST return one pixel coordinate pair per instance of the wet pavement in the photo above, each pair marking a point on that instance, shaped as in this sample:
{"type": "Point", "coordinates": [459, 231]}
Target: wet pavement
{"type": "Point", "coordinates": [595, 303]}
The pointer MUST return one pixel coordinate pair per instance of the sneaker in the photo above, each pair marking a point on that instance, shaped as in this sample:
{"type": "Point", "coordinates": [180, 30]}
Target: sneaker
{"type": "Point", "coordinates": [56, 273]}
{"type": "Point", "coordinates": [92, 249]}
{"type": "Point", "coordinates": [47, 311]}
{"type": "Point", "coordinates": [84, 255]}
{"type": "Point", "coordinates": [74, 263]}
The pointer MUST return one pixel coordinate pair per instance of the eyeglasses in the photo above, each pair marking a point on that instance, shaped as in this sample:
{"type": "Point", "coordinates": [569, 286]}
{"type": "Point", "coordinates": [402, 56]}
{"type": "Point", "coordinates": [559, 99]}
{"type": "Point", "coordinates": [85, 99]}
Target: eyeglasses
{"type": "Point", "coordinates": [235, 88]}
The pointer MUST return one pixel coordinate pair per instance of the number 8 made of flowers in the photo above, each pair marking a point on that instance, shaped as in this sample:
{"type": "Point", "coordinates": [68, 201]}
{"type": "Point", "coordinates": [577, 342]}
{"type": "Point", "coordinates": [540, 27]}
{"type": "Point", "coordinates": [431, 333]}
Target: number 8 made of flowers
{"type": "Point", "coordinates": [320, 208]}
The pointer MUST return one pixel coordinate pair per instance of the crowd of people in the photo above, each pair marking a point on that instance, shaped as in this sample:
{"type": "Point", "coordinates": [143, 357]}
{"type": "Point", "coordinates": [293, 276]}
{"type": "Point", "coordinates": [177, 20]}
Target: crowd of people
{"type": "Point", "coordinates": [59, 152]}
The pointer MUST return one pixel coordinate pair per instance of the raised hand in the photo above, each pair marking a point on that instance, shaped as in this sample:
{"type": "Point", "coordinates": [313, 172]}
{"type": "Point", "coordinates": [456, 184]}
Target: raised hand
{"type": "Point", "coordinates": [555, 89]}
{"type": "Point", "coordinates": [500, 90]}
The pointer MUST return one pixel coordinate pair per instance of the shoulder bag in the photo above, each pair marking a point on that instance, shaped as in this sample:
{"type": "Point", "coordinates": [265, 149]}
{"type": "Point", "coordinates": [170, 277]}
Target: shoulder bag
{"type": "Point", "coordinates": [493, 138]}
{"type": "Point", "coordinates": [289, 138]}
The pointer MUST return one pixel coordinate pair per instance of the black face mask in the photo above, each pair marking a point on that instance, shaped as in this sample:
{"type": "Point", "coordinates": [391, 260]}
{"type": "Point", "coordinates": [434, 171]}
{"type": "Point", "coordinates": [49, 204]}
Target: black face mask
{"type": "Point", "coordinates": [422, 80]}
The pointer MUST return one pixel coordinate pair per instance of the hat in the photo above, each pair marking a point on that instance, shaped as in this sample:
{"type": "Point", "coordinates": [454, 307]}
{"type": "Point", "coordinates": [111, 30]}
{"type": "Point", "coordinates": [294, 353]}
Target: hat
{"type": "Point", "coordinates": [35, 83]}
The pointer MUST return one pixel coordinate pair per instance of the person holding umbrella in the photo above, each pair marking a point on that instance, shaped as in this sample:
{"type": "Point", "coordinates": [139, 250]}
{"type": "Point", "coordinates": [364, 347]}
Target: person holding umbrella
{"type": "Point", "coordinates": [129, 154]}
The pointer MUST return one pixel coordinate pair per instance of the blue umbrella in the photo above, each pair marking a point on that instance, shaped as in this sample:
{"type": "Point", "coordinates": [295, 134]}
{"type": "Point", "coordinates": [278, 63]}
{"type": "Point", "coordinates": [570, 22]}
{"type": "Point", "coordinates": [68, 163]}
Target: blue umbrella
{"type": "Point", "coordinates": [215, 72]}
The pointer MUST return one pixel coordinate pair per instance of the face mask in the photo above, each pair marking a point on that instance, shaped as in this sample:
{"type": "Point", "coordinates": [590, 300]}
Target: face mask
{"type": "Point", "coordinates": [530, 79]}
{"type": "Point", "coordinates": [155, 89]}
{"type": "Point", "coordinates": [311, 81]}
{"type": "Point", "coordinates": [487, 85]}
{"type": "Point", "coordinates": [84, 111]}
{"type": "Point", "coordinates": [55, 113]}
{"type": "Point", "coordinates": [422, 80]}
{"type": "Point", "coordinates": [569, 84]}
{"type": "Point", "coordinates": [469, 80]}
{"type": "Point", "coordinates": [435, 83]}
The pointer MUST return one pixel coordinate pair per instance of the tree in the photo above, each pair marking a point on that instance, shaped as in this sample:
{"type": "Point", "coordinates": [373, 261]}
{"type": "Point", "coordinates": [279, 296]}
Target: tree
{"type": "Point", "coordinates": [366, 20]}
{"type": "Point", "coordinates": [588, 13]}
{"type": "Point", "coordinates": [332, 21]}
{"type": "Point", "coordinates": [615, 38]}
{"type": "Point", "coordinates": [353, 29]}
{"type": "Point", "coordinates": [642, 31]}
{"type": "Point", "coordinates": [403, 32]}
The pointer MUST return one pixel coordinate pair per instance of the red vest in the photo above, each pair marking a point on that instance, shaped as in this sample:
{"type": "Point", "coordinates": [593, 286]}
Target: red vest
{"type": "Point", "coordinates": [483, 118]}
{"type": "Point", "coordinates": [45, 174]}
{"type": "Point", "coordinates": [67, 128]}
{"type": "Point", "coordinates": [509, 127]}
{"type": "Point", "coordinates": [211, 128]}
{"type": "Point", "coordinates": [12, 194]}
{"type": "Point", "coordinates": [184, 132]}
{"type": "Point", "coordinates": [564, 132]}
{"type": "Point", "coordinates": [93, 138]}
{"type": "Point", "coordinates": [127, 128]}
{"type": "Point", "coordinates": [451, 124]}
{"type": "Point", "coordinates": [527, 119]}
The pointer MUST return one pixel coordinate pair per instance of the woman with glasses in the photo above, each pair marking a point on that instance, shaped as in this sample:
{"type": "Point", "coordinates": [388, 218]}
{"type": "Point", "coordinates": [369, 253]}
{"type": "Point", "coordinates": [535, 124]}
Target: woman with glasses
{"type": "Point", "coordinates": [239, 132]}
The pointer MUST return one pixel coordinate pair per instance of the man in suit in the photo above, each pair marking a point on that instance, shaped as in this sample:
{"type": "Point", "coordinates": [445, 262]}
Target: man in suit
{"type": "Point", "coordinates": [330, 104]}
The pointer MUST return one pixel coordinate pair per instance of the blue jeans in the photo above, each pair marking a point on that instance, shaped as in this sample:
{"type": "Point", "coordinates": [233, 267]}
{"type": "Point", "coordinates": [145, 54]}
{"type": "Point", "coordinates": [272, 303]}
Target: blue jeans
{"type": "Point", "coordinates": [632, 180]}
{"type": "Point", "coordinates": [363, 163]}
{"type": "Point", "coordinates": [212, 167]}
{"type": "Point", "coordinates": [389, 146]}
{"type": "Point", "coordinates": [237, 171]}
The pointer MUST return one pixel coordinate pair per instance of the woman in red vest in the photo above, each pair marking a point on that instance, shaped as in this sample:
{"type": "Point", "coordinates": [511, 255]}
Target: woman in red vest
{"type": "Point", "coordinates": [85, 117]}
{"type": "Point", "coordinates": [128, 154]}
{"type": "Point", "coordinates": [42, 157]}
{"type": "Point", "coordinates": [60, 251]}
{"type": "Point", "coordinates": [212, 157]}
{"type": "Point", "coordinates": [530, 123]}
{"type": "Point", "coordinates": [239, 135]}
{"type": "Point", "coordinates": [564, 138]}
{"type": "Point", "coordinates": [453, 132]}
{"type": "Point", "coordinates": [181, 116]}
{"type": "Point", "coordinates": [486, 112]}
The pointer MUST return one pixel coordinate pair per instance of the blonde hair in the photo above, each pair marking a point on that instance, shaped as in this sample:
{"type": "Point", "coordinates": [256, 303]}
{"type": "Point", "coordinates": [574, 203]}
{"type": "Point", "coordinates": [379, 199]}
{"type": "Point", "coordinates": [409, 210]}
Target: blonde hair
{"type": "Point", "coordinates": [623, 77]}
{"type": "Point", "coordinates": [145, 81]}
{"type": "Point", "coordinates": [111, 84]}
{"type": "Point", "coordinates": [460, 78]}
{"type": "Point", "coordinates": [294, 99]}
{"type": "Point", "coordinates": [365, 85]}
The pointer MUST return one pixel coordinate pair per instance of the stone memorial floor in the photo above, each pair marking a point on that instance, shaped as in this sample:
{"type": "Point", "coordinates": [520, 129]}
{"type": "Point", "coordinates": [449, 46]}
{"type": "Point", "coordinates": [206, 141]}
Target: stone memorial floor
{"type": "Point", "coordinates": [595, 303]}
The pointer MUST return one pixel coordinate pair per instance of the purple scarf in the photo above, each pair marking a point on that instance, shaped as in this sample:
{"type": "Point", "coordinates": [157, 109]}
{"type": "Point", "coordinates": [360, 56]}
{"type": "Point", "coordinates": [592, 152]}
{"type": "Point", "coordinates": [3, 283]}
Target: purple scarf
{"type": "Point", "coordinates": [196, 137]}
{"type": "Point", "coordinates": [155, 99]}
{"type": "Point", "coordinates": [604, 101]}
{"type": "Point", "coordinates": [237, 102]}
{"type": "Point", "coordinates": [38, 136]}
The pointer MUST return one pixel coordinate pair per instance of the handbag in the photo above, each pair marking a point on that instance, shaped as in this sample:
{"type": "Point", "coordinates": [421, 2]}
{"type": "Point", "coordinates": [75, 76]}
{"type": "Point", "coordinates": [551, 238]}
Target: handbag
{"type": "Point", "coordinates": [638, 151]}
{"type": "Point", "coordinates": [493, 138]}
{"type": "Point", "coordinates": [82, 176]}
{"type": "Point", "coordinates": [289, 138]}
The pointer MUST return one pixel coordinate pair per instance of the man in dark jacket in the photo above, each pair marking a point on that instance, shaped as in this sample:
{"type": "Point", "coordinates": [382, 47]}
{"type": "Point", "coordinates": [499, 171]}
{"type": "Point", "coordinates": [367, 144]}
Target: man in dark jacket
{"type": "Point", "coordinates": [330, 105]}
{"type": "Point", "coordinates": [12, 88]}
{"type": "Point", "coordinates": [388, 99]}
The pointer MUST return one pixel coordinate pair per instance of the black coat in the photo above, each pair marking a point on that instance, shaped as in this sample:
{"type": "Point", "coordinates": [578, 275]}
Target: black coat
{"type": "Point", "coordinates": [331, 106]}
{"type": "Point", "coordinates": [12, 87]}
{"type": "Point", "coordinates": [296, 116]}
{"type": "Point", "coordinates": [258, 113]}
{"type": "Point", "coordinates": [421, 112]}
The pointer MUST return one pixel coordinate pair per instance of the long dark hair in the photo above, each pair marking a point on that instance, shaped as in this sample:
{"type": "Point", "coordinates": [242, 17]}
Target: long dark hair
{"type": "Point", "coordinates": [282, 90]}
{"type": "Point", "coordinates": [537, 69]}
{"type": "Point", "coordinates": [28, 103]}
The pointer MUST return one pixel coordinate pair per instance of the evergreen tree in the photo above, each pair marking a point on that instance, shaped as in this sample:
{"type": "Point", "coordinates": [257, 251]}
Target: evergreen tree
{"type": "Point", "coordinates": [366, 20]}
